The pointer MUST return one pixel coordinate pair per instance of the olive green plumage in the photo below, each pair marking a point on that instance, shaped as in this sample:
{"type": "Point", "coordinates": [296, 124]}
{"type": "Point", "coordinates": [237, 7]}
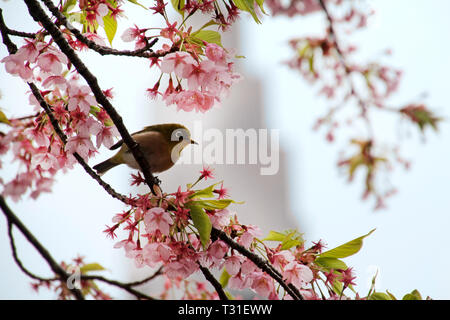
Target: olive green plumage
{"type": "Point", "coordinates": [161, 145]}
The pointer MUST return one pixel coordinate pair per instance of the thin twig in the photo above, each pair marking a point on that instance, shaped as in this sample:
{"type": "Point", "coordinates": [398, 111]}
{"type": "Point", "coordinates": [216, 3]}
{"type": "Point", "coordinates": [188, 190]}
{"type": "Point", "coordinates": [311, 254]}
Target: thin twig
{"type": "Point", "coordinates": [118, 284]}
{"type": "Point", "coordinates": [216, 284]}
{"type": "Point", "coordinates": [143, 52]}
{"type": "Point", "coordinates": [145, 280]}
{"type": "Point", "coordinates": [39, 15]}
{"type": "Point", "coordinates": [56, 268]}
{"type": "Point", "coordinates": [16, 257]}
{"type": "Point", "coordinates": [333, 37]}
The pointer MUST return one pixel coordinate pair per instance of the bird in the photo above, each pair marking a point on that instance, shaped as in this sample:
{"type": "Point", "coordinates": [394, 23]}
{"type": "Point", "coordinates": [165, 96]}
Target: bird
{"type": "Point", "coordinates": [161, 145]}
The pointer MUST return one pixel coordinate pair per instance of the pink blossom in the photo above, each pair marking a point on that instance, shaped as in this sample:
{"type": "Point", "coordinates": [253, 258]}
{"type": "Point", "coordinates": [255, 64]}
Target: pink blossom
{"type": "Point", "coordinates": [176, 62]}
{"type": "Point", "coordinates": [105, 136]}
{"type": "Point", "coordinates": [57, 81]}
{"type": "Point", "coordinates": [233, 264]}
{"type": "Point", "coordinates": [80, 144]}
{"type": "Point", "coordinates": [14, 65]}
{"type": "Point", "coordinates": [51, 61]}
{"type": "Point", "coordinates": [240, 281]}
{"type": "Point", "coordinates": [45, 160]}
{"type": "Point", "coordinates": [216, 251]}
{"type": "Point", "coordinates": [157, 252]}
{"type": "Point", "coordinates": [157, 219]}
{"type": "Point", "coordinates": [198, 75]}
{"type": "Point", "coordinates": [215, 53]}
{"type": "Point", "coordinates": [38, 135]}
{"type": "Point", "coordinates": [42, 185]}
{"type": "Point", "coordinates": [81, 97]}
{"type": "Point", "coordinates": [247, 237]}
{"type": "Point", "coordinates": [220, 219]}
{"type": "Point", "coordinates": [282, 258]}
{"type": "Point", "coordinates": [131, 34]}
{"type": "Point", "coordinates": [30, 51]}
{"type": "Point", "coordinates": [96, 38]}
{"type": "Point", "coordinates": [88, 127]}
{"type": "Point", "coordinates": [298, 274]}
{"type": "Point", "coordinates": [194, 100]}
{"type": "Point", "coordinates": [263, 284]}
{"type": "Point", "coordinates": [18, 186]}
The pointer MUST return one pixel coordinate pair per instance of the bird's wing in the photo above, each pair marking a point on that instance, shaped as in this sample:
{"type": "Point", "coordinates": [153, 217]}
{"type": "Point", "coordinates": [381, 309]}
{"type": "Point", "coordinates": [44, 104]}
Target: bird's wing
{"type": "Point", "coordinates": [146, 129]}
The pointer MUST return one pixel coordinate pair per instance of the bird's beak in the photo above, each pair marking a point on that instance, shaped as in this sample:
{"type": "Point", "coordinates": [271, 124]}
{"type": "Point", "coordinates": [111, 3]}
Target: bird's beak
{"type": "Point", "coordinates": [193, 142]}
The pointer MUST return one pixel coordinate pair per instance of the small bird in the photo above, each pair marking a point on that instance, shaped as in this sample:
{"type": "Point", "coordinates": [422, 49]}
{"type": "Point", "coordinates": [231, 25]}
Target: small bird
{"type": "Point", "coordinates": [161, 145]}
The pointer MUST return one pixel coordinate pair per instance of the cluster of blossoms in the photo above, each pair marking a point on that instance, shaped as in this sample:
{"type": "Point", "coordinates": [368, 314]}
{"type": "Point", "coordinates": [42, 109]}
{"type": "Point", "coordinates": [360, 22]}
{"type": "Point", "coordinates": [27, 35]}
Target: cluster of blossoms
{"type": "Point", "coordinates": [169, 230]}
{"type": "Point", "coordinates": [204, 67]}
{"type": "Point", "coordinates": [328, 63]}
{"type": "Point", "coordinates": [33, 140]}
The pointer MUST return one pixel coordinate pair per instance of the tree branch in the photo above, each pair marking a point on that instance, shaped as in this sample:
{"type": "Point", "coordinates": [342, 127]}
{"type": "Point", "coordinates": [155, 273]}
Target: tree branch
{"type": "Point", "coordinates": [102, 49]}
{"type": "Point", "coordinates": [56, 268]}
{"type": "Point", "coordinates": [16, 257]}
{"type": "Point", "coordinates": [259, 262]}
{"type": "Point", "coordinates": [12, 48]}
{"type": "Point", "coordinates": [39, 15]}
{"type": "Point", "coordinates": [216, 284]}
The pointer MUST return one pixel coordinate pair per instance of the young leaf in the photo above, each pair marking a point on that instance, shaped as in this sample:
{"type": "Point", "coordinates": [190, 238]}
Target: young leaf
{"type": "Point", "coordinates": [178, 5]}
{"type": "Point", "coordinates": [288, 239]}
{"type": "Point", "coordinates": [3, 118]}
{"type": "Point", "coordinates": [110, 27]}
{"type": "Point", "coordinates": [213, 204]}
{"type": "Point", "coordinates": [137, 3]}
{"type": "Point", "coordinates": [380, 296]}
{"type": "Point", "coordinates": [224, 277]}
{"type": "Point", "coordinates": [201, 223]}
{"type": "Point", "coordinates": [247, 5]}
{"type": "Point", "coordinates": [414, 295]}
{"type": "Point", "coordinates": [331, 263]}
{"type": "Point", "coordinates": [91, 267]}
{"type": "Point", "coordinates": [205, 193]}
{"type": "Point", "coordinates": [68, 6]}
{"type": "Point", "coordinates": [209, 36]}
{"type": "Point", "coordinates": [347, 249]}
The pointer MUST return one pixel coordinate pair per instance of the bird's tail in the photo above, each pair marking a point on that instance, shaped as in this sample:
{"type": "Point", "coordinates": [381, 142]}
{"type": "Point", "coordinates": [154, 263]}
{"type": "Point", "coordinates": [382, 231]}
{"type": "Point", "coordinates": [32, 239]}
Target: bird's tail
{"type": "Point", "coordinates": [104, 166]}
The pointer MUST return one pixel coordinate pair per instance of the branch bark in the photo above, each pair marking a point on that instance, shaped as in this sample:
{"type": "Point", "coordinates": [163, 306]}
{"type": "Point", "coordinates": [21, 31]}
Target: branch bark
{"type": "Point", "coordinates": [56, 268]}
{"type": "Point", "coordinates": [39, 15]}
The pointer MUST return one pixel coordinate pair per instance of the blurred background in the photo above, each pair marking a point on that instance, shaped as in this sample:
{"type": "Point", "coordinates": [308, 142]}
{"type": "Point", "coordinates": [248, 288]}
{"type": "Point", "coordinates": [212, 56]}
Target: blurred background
{"type": "Point", "coordinates": [409, 247]}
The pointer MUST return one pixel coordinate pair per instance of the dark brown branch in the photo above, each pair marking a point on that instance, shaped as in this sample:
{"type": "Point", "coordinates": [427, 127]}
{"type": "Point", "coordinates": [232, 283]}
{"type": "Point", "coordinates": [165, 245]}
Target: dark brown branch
{"type": "Point", "coordinates": [143, 52]}
{"type": "Point", "coordinates": [18, 261]}
{"type": "Point", "coordinates": [56, 268]}
{"type": "Point", "coordinates": [216, 284]}
{"type": "Point", "coordinates": [145, 280]}
{"type": "Point", "coordinates": [259, 262]}
{"type": "Point", "coordinates": [39, 15]}
{"type": "Point", "coordinates": [125, 286]}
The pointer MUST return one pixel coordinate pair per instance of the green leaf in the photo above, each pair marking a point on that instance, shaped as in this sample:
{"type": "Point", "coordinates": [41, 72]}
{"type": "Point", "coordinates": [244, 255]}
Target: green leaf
{"type": "Point", "coordinates": [213, 204]}
{"type": "Point", "coordinates": [110, 27]}
{"type": "Point", "coordinates": [178, 5]}
{"type": "Point", "coordinates": [205, 193]}
{"type": "Point", "coordinates": [224, 277]}
{"type": "Point", "coordinates": [247, 5]}
{"type": "Point", "coordinates": [3, 118]}
{"type": "Point", "coordinates": [68, 5]}
{"type": "Point", "coordinates": [288, 239]}
{"type": "Point", "coordinates": [380, 296]}
{"type": "Point", "coordinates": [347, 249]}
{"type": "Point", "coordinates": [91, 267]}
{"type": "Point", "coordinates": [209, 36]}
{"type": "Point", "coordinates": [137, 3]}
{"type": "Point", "coordinates": [391, 295]}
{"type": "Point", "coordinates": [331, 263]}
{"type": "Point", "coordinates": [414, 295]}
{"type": "Point", "coordinates": [202, 223]}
